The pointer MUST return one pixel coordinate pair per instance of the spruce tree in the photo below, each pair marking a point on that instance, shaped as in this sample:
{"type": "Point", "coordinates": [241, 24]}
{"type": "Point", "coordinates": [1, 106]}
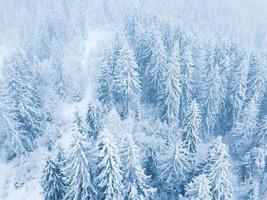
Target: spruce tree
{"type": "Point", "coordinates": [218, 171]}
{"type": "Point", "coordinates": [187, 72]}
{"type": "Point", "coordinates": [155, 70]}
{"type": "Point", "coordinates": [136, 181]}
{"type": "Point", "coordinates": [22, 86]}
{"type": "Point", "coordinates": [58, 73]}
{"type": "Point", "coordinates": [174, 164]}
{"type": "Point", "coordinates": [126, 80]}
{"type": "Point", "coordinates": [93, 120]}
{"type": "Point", "coordinates": [199, 188]}
{"type": "Point", "coordinates": [256, 80]}
{"type": "Point", "coordinates": [78, 169]}
{"type": "Point", "coordinates": [170, 90]}
{"type": "Point", "coordinates": [238, 85]}
{"type": "Point", "coordinates": [53, 181]}
{"type": "Point", "coordinates": [109, 178]}
{"type": "Point", "coordinates": [190, 134]}
{"type": "Point", "coordinates": [15, 140]}
{"type": "Point", "coordinates": [210, 98]}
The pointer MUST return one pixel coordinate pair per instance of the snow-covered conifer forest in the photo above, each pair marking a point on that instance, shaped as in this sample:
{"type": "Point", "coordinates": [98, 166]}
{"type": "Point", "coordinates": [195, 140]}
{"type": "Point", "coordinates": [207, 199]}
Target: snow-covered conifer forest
{"type": "Point", "coordinates": [133, 100]}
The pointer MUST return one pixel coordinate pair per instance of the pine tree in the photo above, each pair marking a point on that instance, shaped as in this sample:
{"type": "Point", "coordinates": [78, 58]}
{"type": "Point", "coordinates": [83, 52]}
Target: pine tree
{"type": "Point", "coordinates": [218, 171]}
{"type": "Point", "coordinates": [58, 74]}
{"type": "Point", "coordinates": [53, 181]}
{"type": "Point", "coordinates": [22, 86]}
{"type": "Point", "coordinates": [238, 85]}
{"type": "Point", "coordinates": [244, 129]}
{"type": "Point", "coordinates": [256, 80]}
{"type": "Point", "coordinates": [190, 134]}
{"type": "Point", "coordinates": [136, 181]}
{"type": "Point", "coordinates": [174, 163]}
{"type": "Point", "coordinates": [251, 171]}
{"type": "Point", "coordinates": [93, 120]}
{"type": "Point", "coordinates": [105, 83]}
{"type": "Point", "coordinates": [187, 70]}
{"type": "Point", "coordinates": [199, 188]}
{"type": "Point", "coordinates": [126, 83]}
{"type": "Point", "coordinates": [15, 140]}
{"type": "Point", "coordinates": [109, 165]}
{"type": "Point", "coordinates": [260, 137]}
{"type": "Point", "coordinates": [78, 169]}
{"type": "Point", "coordinates": [210, 98]}
{"type": "Point", "coordinates": [155, 69]}
{"type": "Point", "coordinates": [170, 90]}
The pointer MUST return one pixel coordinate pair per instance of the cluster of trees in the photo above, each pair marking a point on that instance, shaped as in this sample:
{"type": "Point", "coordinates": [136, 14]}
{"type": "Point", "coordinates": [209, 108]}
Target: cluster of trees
{"type": "Point", "coordinates": [168, 107]}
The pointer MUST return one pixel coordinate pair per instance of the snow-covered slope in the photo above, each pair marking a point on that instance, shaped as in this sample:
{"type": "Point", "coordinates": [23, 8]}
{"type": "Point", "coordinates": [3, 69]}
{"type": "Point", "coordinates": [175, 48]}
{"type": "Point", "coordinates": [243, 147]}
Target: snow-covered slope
{"type": "Point", "coordinates": [20, 179]}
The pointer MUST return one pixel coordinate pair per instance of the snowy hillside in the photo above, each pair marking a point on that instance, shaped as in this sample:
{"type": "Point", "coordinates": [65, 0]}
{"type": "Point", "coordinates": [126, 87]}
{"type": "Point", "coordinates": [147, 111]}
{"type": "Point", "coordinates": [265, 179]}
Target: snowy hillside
{"type": "Point", "coordinates": [133, 100]}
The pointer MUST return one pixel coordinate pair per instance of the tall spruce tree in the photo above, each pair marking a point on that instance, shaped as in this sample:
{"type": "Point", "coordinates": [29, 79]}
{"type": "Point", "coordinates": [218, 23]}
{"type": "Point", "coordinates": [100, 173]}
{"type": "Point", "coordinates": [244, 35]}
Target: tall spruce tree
{"type": "Point", "coordinates": [190, 134]}
{"type": "Point", "coordinates": [170, 90]}
{"type": "Point", "coordinates": [199, 188]}
{"type": "Point", "coordinates": [93, 120]}
{"type": "Point", "coordinates": [136, 181]}
{"type": "Point", "coordinates": [174, 164]}
{"type": "Point", "coordinates": [218, 171]}
{"type": "Point", "coordinates": [109, 178]}
{"type": "Point", "coordinates": [53, 181]}
{"type": "Point", "coordinates": [126, 80]}
{"type": "Point", "coordinates": [22, 87]}
{"type": "Point", "coordinates": [78, 169]}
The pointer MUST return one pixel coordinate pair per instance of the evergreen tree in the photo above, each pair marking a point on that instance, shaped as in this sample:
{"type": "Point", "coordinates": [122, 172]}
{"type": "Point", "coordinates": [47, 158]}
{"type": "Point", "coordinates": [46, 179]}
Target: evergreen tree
{"type": "Point", "coordinates": [218, 171]}
{"type": "Point", "coordinates": [53, 181]}
{"type": "Point", "coordinates": [22, 86]}
{"type": "Point", "coordinates": [155, 70]}
{"type": "Point", "coordinates": [15, 140]}
{"type": "Point", "coordinates": [170, 90]}
{"type": "Point", "coordinates": [93, 120]}
{"type": "Point", "coordinates": [174, 164]}
{"type": "Point", "coordinates": [210, 98]}
{"type": "Point", "coordinates": [190, 134]}
{"type": "Point", "coordinates": [199, 188]}
{"type": "Point", "coordinates": [260, 137]}
{"type": "Point", "coordinates": [78, 169]}
{"type": "Point", "coordinates": [238, 85]}
{"type": "Point", "coordinates": [244, 129]}
{"type": "Point", "coordinates": [126, 83]}
{"type": "Point", "coordinates": [109, 165]}
{"type": "Point", "coordinates": [256, 80]}
{"type": "Point", "coordinates": [187, 70]}
{"type": "Point", "coordinates": [251, 171]}
{"type": "Point", "coordinates": [58, 74]}
{"type": "Point", "coordinates": [136, 181]}
{"type": "Point", "coordinates": [105, 82]}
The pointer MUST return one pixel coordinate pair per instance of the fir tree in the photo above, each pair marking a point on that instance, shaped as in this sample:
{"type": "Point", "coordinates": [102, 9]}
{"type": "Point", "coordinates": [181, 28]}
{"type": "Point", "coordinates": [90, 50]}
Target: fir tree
{"type": "Point", "coordinates": [187, 69]}
{"type": "Point", "coordinates": [93, 120]}
{"type": "Point", "coordinates": [199, 188]}
{"type": "Point", "coordinates": [170, 91]}
{"type": "Point", "coordinates": [136, 181]}
{"type": "Point", "coordinates": [22, 86]}
{"type": "Point", "coordinates": [58, 74]}
{"type": "Point", "coordinates": [238, 85]}
{"type": "Point", "coordinates": [155, 70]}
{"type": "Point", "coordinates": [53, 181]}
{"type": "Point", "coordinates": [109, 165]}
{"type": "Point", "coordinates": [126, 83]}
{"type": "Point", "coordinates": [244, 129]}
{"type": "Point", "coordinates": [78, 169]}
{"type": "Point", "coordinates": [218, 171]}
{"type": "Point", "coordinates": [210, 99]}
{"type": "Point", "coordinates": [190, 135]}
{"type": "Point", "coordinates": [15, 140]}
{"type": "Point", "coordinates": [256, 80]}
{"type": "Point", "coordinates": [174, 163]}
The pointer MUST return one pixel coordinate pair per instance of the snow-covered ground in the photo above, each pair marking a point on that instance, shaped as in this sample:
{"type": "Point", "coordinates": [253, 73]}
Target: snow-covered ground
{"type": "Point", "coordinates": [14, 174]}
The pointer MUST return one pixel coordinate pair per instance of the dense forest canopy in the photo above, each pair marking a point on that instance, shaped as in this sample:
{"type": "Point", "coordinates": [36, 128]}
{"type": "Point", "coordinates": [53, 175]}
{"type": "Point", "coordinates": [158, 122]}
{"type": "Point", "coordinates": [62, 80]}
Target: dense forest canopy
{"type": "Point", "coordinates": [134, 100]}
